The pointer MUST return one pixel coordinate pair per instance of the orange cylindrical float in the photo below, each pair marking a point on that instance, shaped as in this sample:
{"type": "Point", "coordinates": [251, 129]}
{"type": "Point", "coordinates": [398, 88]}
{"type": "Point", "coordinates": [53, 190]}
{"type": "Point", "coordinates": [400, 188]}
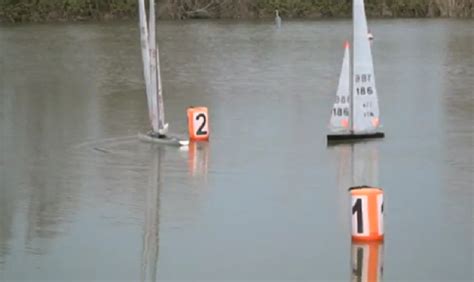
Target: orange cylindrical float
{"type": "Point", "coordinates": [198, 123]}
{"type": "Point", "coordinates": [367, 213]}
{"type": "Point", "coordinates": [367, 261]}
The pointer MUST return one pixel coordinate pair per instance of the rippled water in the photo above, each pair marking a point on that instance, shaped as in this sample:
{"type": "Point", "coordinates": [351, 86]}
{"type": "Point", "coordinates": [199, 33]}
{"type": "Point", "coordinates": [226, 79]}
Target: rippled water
{"type": "Point", "coordinates": [81, 198]}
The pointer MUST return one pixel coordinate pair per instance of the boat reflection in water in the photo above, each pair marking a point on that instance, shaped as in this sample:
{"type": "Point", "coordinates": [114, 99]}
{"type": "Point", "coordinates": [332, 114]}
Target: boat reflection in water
{"type": "Point", "coordinates": [149, 263]}
{"type": "Point", "coordinates": [367, 261]}
{"type": "Point", "coordinates": [198, 157]}
{"type": "Point", "coordinates": [358, 164]}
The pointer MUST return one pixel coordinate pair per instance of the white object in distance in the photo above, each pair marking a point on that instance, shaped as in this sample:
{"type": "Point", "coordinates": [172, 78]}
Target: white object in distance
{"type": "Point", "coordinates": [277, 19]}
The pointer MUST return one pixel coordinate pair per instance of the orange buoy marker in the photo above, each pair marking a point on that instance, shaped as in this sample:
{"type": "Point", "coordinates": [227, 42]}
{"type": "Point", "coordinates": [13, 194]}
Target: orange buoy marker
{"type": "Point", "coordinates": [367, 261]}
{"type": "Point", "coordinates": [367, 213]}
{"type": "Point", "coordinates": [198, 123]}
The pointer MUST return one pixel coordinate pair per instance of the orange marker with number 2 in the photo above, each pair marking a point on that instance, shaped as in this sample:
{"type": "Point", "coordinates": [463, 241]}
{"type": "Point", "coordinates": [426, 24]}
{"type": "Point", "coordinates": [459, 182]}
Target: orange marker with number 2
{"type": "Point", "coordinates": [198, 123]}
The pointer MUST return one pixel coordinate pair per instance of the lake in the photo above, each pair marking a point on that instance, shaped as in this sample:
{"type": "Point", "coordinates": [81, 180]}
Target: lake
{"type": "Point", "coordinates": [81, 198]}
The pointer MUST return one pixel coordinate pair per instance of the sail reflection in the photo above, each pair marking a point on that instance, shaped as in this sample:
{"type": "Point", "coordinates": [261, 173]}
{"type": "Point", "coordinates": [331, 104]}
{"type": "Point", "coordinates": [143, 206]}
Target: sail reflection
{"type": "Point", "coordinates": [152, 219]}
{"type": "Point", "coordinates": [367, 261]}
{"type": "Point", "coordinates": [357, 164]}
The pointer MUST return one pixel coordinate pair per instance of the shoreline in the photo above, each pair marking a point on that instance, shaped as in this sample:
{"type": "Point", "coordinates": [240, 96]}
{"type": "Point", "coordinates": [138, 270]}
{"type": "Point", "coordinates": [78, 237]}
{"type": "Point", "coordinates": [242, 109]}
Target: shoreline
{"type": "Point", "coordinates": [259, 19]}
{"type": "Point", "coordinates": [121, 10]}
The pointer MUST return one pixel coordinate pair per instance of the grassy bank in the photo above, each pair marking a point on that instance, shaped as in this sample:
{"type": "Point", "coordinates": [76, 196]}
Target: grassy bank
{"type": "Point", "coordinates": [72, 10]}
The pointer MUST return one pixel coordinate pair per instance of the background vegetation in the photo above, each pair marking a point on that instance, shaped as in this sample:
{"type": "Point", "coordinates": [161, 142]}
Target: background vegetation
{"type": "Point", "coordinates": [62, 10]}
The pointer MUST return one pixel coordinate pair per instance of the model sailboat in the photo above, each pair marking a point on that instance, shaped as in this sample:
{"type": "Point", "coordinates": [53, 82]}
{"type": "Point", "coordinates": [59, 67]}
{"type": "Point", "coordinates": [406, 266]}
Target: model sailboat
{"type": "Point", "coordinates": [151, 71]}
{"type": "Point", "coordinates": [355, 114]}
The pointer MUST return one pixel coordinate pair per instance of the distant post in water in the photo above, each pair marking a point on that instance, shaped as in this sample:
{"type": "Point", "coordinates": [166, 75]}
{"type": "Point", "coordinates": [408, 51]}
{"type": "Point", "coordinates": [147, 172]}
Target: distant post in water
{"type": "Point", "coordinates": [198, 123]}
{"type": "Point", "coordinates": [367, 213]}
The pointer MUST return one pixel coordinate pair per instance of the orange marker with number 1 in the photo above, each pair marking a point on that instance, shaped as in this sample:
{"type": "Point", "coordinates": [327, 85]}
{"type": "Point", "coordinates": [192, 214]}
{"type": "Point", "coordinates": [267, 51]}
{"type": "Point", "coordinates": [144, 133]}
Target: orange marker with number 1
{"type": "Point", "coordinates": [198, 123]}
{"type": "Point", "coordinates": [367, 213]}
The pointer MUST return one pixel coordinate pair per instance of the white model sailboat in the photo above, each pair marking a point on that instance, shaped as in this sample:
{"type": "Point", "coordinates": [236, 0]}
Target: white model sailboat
{"type": "Point", "coordinates": [355, 114]}
{"type": "Point", "coordinates": [151, 71]}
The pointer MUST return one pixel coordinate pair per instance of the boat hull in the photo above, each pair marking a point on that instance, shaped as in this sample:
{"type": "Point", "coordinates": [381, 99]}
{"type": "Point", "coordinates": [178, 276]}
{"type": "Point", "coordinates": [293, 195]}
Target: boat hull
{"type": "Point", "coordinates": [166, 140]}
{"type": "Point", "coordinates": [353, 137]}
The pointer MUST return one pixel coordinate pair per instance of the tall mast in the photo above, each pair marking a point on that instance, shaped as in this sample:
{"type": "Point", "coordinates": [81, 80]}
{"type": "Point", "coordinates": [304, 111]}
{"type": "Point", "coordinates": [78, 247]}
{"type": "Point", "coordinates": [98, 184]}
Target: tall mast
{"type": "Point", "coordinates": [351, 94]}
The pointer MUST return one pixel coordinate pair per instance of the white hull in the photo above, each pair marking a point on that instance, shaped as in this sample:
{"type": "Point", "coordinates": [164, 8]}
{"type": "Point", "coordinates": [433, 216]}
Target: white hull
{"type": "Point", "coordinates": [167, 140]}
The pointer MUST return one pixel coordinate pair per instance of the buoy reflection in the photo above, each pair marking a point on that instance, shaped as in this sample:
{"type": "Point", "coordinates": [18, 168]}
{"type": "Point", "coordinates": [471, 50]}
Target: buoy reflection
{"type": "Point", "coordinates": [198, 158]}
{"type": "Point", "coordinates": [367, 261]}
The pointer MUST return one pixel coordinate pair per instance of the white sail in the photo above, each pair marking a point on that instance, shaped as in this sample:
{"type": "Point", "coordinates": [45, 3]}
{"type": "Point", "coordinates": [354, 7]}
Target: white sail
{"type": "Point", "coordinates": [340, 113]}
{"type": "Point", "coordinates": [151, 69]}
{"type": "Point", "coordinates": [152, 65]}
{"type": "Point", "coordinates": [365, 108]}
{"type": "Point", "coordinates": [146, 58]}
{"type": "Point", "coordinates": [161, 111]}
